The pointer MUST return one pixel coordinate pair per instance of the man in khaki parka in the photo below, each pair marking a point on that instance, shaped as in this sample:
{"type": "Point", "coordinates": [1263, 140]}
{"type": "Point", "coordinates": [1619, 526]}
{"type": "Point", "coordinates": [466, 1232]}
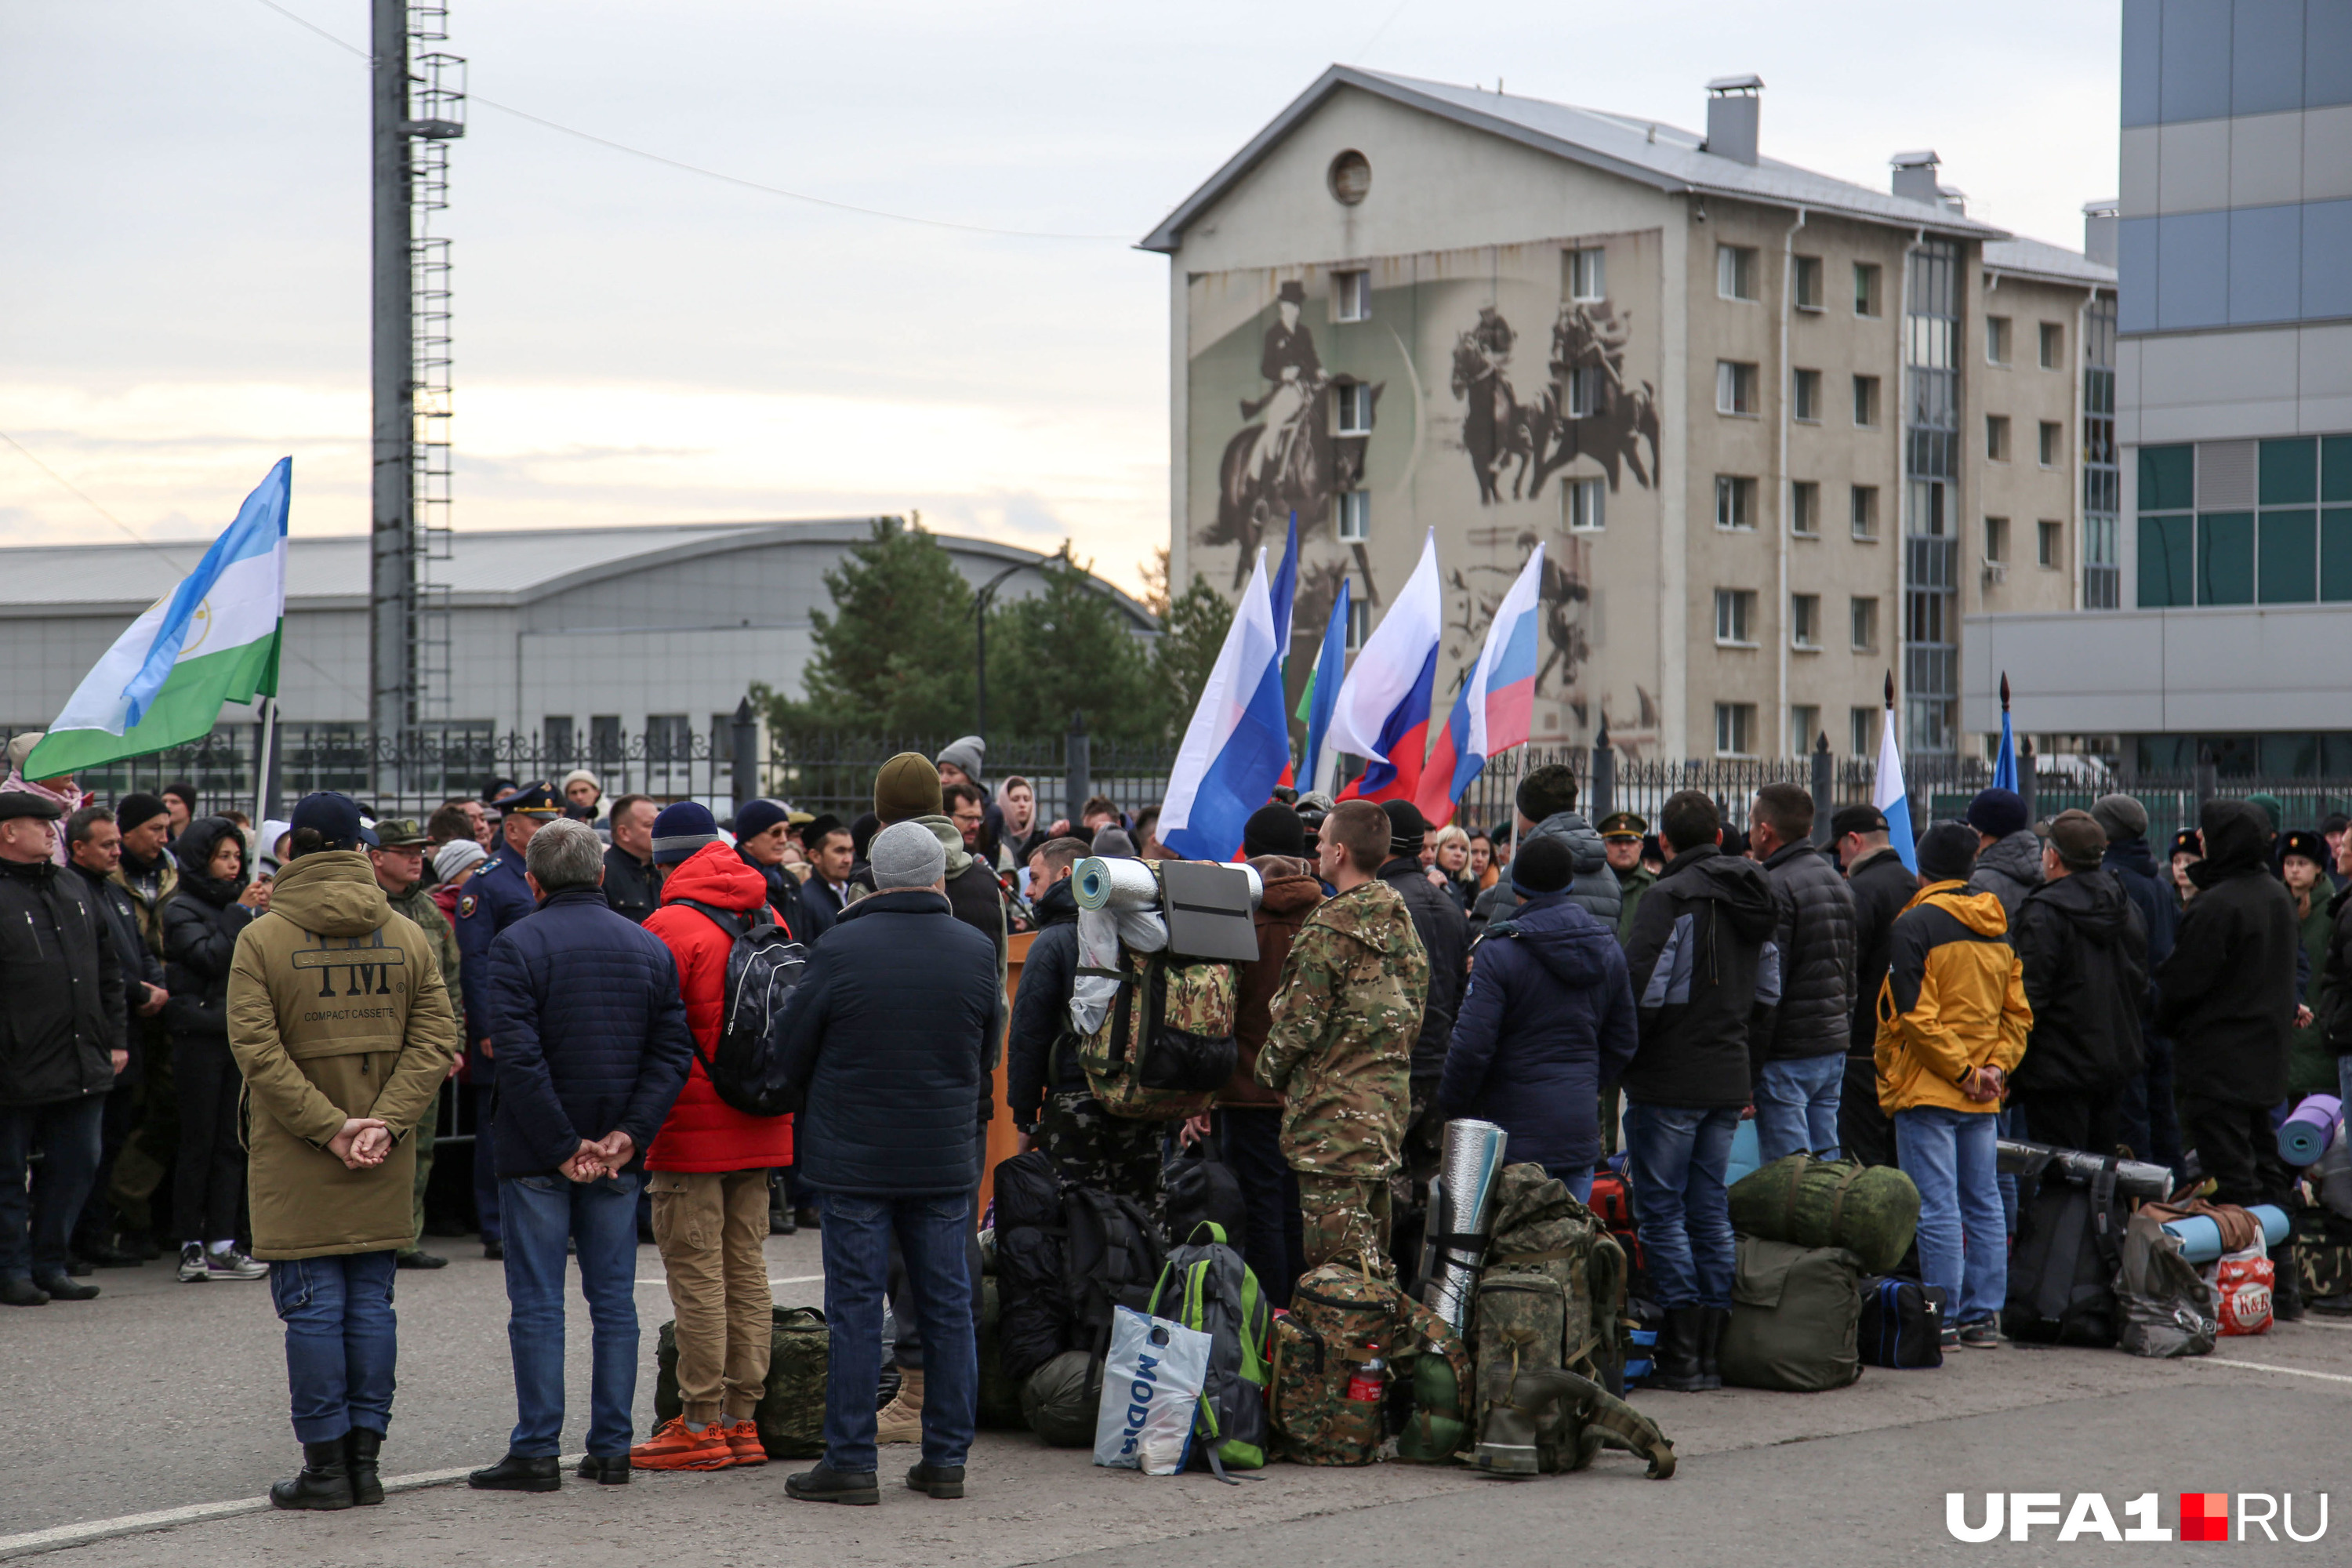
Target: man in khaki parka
{"type": "Point", "coordinates": [399, 861]}
{"type": "Point", "coordinates": [341, 1025]}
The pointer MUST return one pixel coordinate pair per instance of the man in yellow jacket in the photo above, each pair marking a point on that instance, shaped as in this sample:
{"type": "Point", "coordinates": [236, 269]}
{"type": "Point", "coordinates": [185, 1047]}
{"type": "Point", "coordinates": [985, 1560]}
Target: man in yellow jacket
{"type": "Point", "coordinates": [1952, 1022]}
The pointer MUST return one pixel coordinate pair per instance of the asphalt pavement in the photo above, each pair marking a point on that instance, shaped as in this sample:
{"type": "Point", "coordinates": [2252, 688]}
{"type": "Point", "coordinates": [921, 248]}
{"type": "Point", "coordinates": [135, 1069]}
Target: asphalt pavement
{"type": "Point", "coordinates": [158, 1396]}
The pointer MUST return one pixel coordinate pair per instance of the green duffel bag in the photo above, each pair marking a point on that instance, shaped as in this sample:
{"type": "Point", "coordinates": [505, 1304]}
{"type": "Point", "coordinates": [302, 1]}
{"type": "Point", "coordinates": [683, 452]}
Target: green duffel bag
{"type": "Point", "coordinates": [791, 1414]}
{"type": "Point", "coordinates": [999, 1396]}
{"type": "Point", "coordinates": [1872, 1211]}
{"type": "Point", "coordinates": [1796, 1317]}
{"type": "Point", "coordinates": [1060, 1399]}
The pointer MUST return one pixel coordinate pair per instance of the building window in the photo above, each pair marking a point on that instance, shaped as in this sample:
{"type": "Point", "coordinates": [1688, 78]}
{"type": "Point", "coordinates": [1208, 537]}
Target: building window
{"type": "Point", "coordinates": [1355, 407]}
{"type": "Point", "coordinates": [1587, 274]}
{"type": "Point", "coordinates": [1808, 282]}
{"type": "Point", "coordinates": [1805, 723]}
{"type": "Point", "coordinates": [668, 738]}
{"type": "Point", "coordinates": [558, 729]}
{"type": "Point", "coordinates": [2050, 543]}
{"type": "Point", "coordinates": [1735, 387]}
{"type": "Point", "coordinates": [1351, 296]}
{"type": "Point", "coordinates": [1866, 289]}
{"type": "Point", "coordinates": [1996, 540]}
{"type": "Point", "coordinates": [1805, 622]}
{"type": "Point", "coordinates": [2102, 478]}
{"type": "Point", "coordinates": [1735, 729]}
{"type": "Point", "coordinates": [1862, 506]}
{"type": "Point", "coordinates": [1866, 402]}
{"type": "Point", "coordinates": [1735, 502]}
{"type": "Point", "coordinates": [2052, 445]}
{"type": "Point", "coordinates": [1734, 271]}
{"type": "Point", "coordinates": [1997, 438]}
{"type": "Point", "coordinates": [1734, 616]}
{"type": "Point", "coordinates": [2294, 546]}
{"type": "Point", "coordinates": [1805, 395]}
{"type": "Point", "coordinates": [605, 738]}
{"type": "Point", "coordinates": [1861, 729]}
{"type": "Point", "coordinates": [1584, 392]}
{"type": "Point", "coordinates": [1805, 508]}
{"type": "Point", "coordinates": [2053, 346]}
{"type": "Point", "coordinates": [1864, 615]}
{"type": "Point", "coordinates": [1996, 340]}
{"type": "Point", "coordinates": [1585, 505]}
{"type": "Point", "coordinates": [1355, 515]}
{"type": "Point", "coordinates": [1360, 622]}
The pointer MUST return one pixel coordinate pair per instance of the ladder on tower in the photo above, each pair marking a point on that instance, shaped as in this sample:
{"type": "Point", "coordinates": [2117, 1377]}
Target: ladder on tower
{"type": "Point", "coordinates": [436, 117]}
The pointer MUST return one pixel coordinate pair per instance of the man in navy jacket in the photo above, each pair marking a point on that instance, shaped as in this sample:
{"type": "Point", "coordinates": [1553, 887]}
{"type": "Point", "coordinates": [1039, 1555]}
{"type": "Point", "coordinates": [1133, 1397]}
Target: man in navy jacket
{"type": "Point", "coordinates": [593, 1047]}
{"type": "Point", "coordinates": [886, 1036]}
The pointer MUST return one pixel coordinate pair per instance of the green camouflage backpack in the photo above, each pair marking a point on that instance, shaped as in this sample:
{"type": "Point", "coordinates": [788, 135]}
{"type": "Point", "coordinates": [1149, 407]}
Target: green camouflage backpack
{"type": "Point", "coordinates": [1166, 1045]}
{"type": "Point", "coordinates": [1206, 1286]}
{"type": "Point", "coordinates": [1540, 1228]}
{"type": "Point", "coordinates": [1445, 1385]}
{"type": "Point", "coordinates": [1340, 1318]}
{"type": "Point", "coordinates": [791, 1413]}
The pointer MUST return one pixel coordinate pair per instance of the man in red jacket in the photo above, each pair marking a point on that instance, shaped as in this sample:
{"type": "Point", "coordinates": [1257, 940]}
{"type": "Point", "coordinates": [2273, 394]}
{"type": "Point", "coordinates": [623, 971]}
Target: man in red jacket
{"type": "Point", "coordinates": [707, 1170]}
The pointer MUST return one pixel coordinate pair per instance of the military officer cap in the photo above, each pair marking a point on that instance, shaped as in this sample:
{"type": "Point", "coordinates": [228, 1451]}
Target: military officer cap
{"type": "Point", "coordinates": [537, 798]}
{"type": "Point", "coordinates": [1623, 825]}
{"type": "Point", "coordinates": [400, 833]}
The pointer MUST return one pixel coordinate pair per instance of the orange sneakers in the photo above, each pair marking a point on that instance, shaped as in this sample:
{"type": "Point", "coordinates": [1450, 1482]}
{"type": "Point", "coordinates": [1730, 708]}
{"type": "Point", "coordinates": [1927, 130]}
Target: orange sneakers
{"type": "Point", "coordinates": [743, 1437]}
{"type": "Point", "coordinates": [673, 1447]}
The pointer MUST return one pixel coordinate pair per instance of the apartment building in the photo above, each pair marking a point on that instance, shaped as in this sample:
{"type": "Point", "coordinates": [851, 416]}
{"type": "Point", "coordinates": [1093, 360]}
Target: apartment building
{"type": "Point", "coordinates": [1778, 433]}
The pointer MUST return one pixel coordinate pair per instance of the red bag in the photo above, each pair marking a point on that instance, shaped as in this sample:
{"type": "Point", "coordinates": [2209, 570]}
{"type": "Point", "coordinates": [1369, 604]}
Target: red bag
{"type": "Point", "coordinates": [2245, 1280]}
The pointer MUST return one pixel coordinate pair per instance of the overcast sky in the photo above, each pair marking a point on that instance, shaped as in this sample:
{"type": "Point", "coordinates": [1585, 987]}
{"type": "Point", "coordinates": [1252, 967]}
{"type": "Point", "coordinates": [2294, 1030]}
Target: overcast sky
{"type": "Point", "coordinates": [185, 252]}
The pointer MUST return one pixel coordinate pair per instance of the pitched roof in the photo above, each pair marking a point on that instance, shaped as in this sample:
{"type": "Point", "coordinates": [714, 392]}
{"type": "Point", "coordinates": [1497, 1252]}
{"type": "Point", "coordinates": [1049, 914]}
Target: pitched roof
{"type": "Point", "coordinates": [2039, 259]}
{"type": "Point", "coordinates": [1652, 153]}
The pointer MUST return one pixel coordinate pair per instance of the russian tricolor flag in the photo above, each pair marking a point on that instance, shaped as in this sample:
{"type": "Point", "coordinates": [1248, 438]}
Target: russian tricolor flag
{"type": "Point", "coordinates": [1382, 714]}
{"type": "Point", "coordinates": [1496, 706]}
{"type": "Point", "coordinates": [1238, 742]}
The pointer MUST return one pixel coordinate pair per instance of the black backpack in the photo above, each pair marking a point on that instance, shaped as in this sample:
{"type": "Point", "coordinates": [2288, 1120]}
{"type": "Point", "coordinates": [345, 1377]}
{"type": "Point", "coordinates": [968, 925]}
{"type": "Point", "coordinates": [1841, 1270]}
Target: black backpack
{"type": "Point", "coordinates": [2062, 1269]}
{"type": "Point", "coordinates": [1199, 1186]}
{"type": "Point", "coordinates": [1902, 1323]}
{"type": "Point", "coordinates": [1034, 1325]}
{"type": "Point", "coordinates": [765, 963]}
{"type": "Point", "coordinates": [1111, 1257]}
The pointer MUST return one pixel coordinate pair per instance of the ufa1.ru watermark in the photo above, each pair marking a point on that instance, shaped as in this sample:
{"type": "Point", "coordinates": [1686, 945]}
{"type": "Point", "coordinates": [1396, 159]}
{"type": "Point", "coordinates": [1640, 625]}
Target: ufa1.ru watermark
{"type": "Point", "coordinates": [2201, 1516]}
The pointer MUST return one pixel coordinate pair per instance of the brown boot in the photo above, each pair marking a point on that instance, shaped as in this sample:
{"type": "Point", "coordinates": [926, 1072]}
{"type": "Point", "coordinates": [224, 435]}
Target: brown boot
{"type": "Point", "coordinates": [901, 1420]}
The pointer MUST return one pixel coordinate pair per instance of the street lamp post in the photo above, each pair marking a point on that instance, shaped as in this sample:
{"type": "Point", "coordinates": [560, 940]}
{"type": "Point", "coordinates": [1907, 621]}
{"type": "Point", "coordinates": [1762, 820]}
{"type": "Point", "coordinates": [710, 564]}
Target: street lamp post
{"type": "Point", "coordinates": [980, 602]}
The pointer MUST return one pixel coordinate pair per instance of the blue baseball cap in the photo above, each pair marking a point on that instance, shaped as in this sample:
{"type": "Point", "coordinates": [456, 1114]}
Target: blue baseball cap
{"type": "Point", "coordinates": [333, 817]}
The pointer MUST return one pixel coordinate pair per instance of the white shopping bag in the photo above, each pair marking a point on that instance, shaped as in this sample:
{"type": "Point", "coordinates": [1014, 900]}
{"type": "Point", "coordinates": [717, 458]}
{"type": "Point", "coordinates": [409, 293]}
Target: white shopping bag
{"type": "Point", "coordinates": [1151, 1386]}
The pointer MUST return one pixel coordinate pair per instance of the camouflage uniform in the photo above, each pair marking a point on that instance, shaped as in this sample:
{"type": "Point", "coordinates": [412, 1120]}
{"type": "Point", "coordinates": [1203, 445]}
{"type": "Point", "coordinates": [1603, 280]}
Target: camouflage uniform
{"type": "Point", "coordinates": [1089, 1146]}
{"type": "Point", "coordinates": [417, 905]}
{"type": "Point", "coordinates": [1340, 1051]}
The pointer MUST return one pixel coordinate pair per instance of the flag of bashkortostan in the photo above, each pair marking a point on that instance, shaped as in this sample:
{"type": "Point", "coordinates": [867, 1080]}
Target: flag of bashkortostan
{"type": "Point", "coordinates": [210, 641]}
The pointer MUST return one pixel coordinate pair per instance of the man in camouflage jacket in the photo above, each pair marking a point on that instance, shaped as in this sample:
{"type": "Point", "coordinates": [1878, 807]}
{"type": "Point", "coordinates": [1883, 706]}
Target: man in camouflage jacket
{"type": "Point", "coordinates": [400, 871]}
{"type": "Point", "coordinates": [1340, 1049]}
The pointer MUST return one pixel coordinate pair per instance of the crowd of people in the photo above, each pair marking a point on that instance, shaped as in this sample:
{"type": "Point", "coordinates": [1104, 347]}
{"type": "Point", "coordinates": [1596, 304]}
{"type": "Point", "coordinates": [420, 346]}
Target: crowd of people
{"type": "Point", "coordinates": [228, 1045]}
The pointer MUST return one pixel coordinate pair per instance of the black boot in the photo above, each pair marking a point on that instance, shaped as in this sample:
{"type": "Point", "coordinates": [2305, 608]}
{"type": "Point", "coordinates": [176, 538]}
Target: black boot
{"type": "Point", "coordinates": [1711, 1323]}
{"type": "Point", "coordinates": [325, 1481]}
{"type": "Point", "coordinates": [516, 1473]}
{"type": "Point", "coordinates": [2286, 1284]}
{"type": "Point", "coordinates": [611, 1470]}
{"type": "Point", "coordinates": [361, 1447]}
{"type": "Point", "coordinates": [942, 1481]}
{"type": "Point", "coordinates": [1677, 1353]}
{"type": "Point", "coordinates": [825, 1484]}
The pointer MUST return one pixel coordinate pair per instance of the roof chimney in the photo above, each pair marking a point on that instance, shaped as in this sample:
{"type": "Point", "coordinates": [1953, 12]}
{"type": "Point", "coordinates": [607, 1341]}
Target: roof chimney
{"type": "Point", "coordinates": [1915, 177]}
{"type": "Point", "coordinates": [1732, 104]}
{"type": "Point", "coordinates": [2099, 231]}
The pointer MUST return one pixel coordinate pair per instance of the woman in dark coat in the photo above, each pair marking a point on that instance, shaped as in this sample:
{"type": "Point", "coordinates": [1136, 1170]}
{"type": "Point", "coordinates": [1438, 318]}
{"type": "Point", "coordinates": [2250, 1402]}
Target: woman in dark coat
{"type": "Point", "coordinates": [199, 930]}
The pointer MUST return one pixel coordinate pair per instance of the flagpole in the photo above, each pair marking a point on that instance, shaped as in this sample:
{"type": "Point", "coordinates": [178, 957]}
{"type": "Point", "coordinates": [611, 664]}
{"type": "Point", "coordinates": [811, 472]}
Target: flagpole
{"type": "Point", "coordinates": [261, 765]}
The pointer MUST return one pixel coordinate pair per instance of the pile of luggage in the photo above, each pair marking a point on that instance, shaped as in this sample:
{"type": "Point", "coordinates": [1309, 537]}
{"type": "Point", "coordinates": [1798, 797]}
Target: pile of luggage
{"type": "Point", "coordinates": [1817, 1293]}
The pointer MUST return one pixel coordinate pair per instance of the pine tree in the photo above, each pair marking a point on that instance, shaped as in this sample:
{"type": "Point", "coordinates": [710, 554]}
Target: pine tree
{"type": "Point", "coordinates": [895, 656]}
{"type": "Point", "coordinates": [1069, 648]}
{"type": "Point", "coordinates": [1191, 634]}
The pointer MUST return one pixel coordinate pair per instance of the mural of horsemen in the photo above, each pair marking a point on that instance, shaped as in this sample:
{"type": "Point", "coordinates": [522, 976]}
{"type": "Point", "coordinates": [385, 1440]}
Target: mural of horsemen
{"type": "Point", "coordinates": [1587, 409]}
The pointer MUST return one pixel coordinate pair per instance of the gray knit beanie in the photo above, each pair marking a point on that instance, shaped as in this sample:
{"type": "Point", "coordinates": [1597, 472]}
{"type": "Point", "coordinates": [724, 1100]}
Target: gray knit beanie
{"type": "Point", "coordinates": [2121, 816]}
{"type": "Point", "coordinates": [906, 854]}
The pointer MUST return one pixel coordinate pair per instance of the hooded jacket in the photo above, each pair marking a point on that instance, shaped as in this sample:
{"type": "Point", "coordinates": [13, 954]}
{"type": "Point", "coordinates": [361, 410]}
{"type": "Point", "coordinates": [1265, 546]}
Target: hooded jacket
{"type": "Point", "coordinates": [1339, 1047]}
{"type": "Point", "coordinates": [1883, 887]}
{"type": "Point", "coordinates": [1038, 1061]}
{"type": "Point", "coordinates": [336, 1008]}
{"type": "Point", "coordinates": [1953, 1000]}
{"type": "Point", "coordinates": [61, 1001]}
{"type": "Point", "coordinates": [2009, 868]}
{"type": "Point", "coordinates": [1815, 936]}
{"type": "Point", "coordinates": [2226, 996]}
{"type": "Point", "coordinates": [1549, 1017]}
{"type": "Point", "coordinates": [1292, 891]}
{"type": "Point", "coordinates": [1705, 974]}
{"type": "Point", "coordinates": [2150, 889]}
{"type": "Point", "coordinates": [2084, 948]}
{"type": "Point", "coordinates": [201, 925]}
{"type": "Point", "coordinates": [1594, 886]}
{"type": "Point", "coordinates": [1445, 935]}
{"type": "Point", "coordinates": [702, 1132]}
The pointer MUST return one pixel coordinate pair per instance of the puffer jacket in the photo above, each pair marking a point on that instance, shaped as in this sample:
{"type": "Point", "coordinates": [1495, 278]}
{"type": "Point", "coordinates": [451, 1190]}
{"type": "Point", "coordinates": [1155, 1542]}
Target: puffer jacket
{"type": "Point", "coordinates": [1953, 1000]}
{"type": "Point", "coordinates": [1883, 887]}
{"type": "Point", "coordinates": [1705, 974]}
{"type": "Point", "coordinates": [1445, 935]}
{"type": "Point", "coordinates": [1815, 936]}
{"type": "Point", "coordinates": [1594, 886]}
{"type": "Point", "coordinates": [61, 1001]}
{"type": "Point", "coordinates": [2336, 976]}
{"type": "Point", "coordinates": [336, 1008]}
{"type": "Point", "coordinates": [2226, 996]}
{"type": "Point", "coordinates": [2084, 952]}
{"type": "Point", "coordinates": [201, 926]}
{"type": "Point", "coordinates": [1292, 891]}
{"type": "Point", "coordinates": [2009, 868]}
{"type": "Point", "coordinates": [702, 1132]}
{"type": "Point", "coordinates": [1041, 1009]}
{"type": "Point", "coordinates": [1549, 1017]}
{"type": "Point", "coordinates": [802, 918]}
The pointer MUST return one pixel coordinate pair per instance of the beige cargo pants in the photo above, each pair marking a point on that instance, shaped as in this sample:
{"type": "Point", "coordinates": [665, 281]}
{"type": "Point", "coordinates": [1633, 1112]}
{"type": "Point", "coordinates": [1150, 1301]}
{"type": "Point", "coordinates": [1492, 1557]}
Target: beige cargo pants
{"type": "Point", "coordinates": [712, 1229]}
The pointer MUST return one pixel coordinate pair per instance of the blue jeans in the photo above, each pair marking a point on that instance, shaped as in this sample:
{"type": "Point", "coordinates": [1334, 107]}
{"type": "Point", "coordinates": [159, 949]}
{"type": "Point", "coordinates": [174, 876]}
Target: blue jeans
{"type": "Point", "coordinates": [1797, 1107]}
{"type": "Point", "coordinates": [932, 1234]}
{"type": "Point", "coordinates": [1678, 1160]}
{"type": "Point", "coordinates": [1578, 1177]}
{"type": "Point", "coordinates": [601, 1216]}
{"type": "Point", "coordinates": [1963, 1241]}
{"type": "Point", "coordinates": [342, 1342]}
{"type": "Point", "coordinates": [35, 1229]}
{"type": "Point", "coordinates": [485, 1170]}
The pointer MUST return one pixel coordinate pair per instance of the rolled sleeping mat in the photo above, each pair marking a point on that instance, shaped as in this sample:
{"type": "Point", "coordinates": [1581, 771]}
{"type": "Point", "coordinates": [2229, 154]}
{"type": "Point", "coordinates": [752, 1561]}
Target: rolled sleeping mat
{"type": "Point", "coordinates": [1117, 883]}
{"type": "Point", "coordinates": [2302, 1136]}
{"type": "Point", "coordinates": [2200, 1237]}
{"type": "Point", "coordinates": [1461, 1217]}
{"type": "Point", "coordinates": [2134, 1178]}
